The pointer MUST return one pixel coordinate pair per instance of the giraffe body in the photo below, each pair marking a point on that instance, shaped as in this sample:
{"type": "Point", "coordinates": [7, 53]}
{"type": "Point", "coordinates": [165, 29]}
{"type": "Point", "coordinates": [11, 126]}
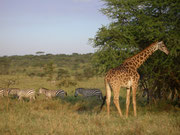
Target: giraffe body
{"type": "Point", "coordinates": [126, 75]}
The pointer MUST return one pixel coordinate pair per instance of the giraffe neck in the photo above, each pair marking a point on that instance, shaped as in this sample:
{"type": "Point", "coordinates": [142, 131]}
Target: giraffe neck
{"type": "Point", "coordinates": [137, 60]}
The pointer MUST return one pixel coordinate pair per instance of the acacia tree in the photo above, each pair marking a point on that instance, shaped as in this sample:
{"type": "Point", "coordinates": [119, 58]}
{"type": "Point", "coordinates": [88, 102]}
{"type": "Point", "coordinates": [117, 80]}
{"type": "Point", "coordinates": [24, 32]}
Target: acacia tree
{"type": "Point", "coordinates": [40, 53]}
{"type": "Point", "coordinates": [136, 24]}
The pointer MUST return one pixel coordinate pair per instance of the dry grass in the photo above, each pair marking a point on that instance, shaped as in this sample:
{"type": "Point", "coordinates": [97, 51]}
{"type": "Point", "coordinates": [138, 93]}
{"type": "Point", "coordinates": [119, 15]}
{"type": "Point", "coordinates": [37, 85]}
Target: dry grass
{"type": "Point", "coordinates": [72, 116]}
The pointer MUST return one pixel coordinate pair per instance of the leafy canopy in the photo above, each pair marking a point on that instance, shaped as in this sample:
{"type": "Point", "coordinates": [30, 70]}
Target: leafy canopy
{"type": "Point", "coordinates": [135, 25]}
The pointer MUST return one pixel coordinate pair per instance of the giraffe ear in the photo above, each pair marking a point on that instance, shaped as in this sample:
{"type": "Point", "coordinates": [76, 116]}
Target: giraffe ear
{"type": "Point", "coordinates": [162, 47]}
{"type": "Point", "coordinates": [160, 43]}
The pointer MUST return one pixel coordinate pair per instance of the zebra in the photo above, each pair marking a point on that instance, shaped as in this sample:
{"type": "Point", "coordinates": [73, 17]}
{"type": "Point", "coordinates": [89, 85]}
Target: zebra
{"type": "Point", "coordinates": [3, 92]}
{"type": "Point", "coordinates": [88, 92]}
{"type": "Point", "coordinates": [52, 93]}
{"type": "Point", "coordinates": [29, 93]}
{"type": "Point", "coordinates": [13, 91]}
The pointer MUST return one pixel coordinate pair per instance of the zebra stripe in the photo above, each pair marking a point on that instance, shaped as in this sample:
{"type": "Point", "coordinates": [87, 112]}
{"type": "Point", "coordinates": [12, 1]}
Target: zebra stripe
{"type": "Point", "coordinates": [30, 93]}
{"type": "Point", "coordinates": [61, 93]}
{"type": "Point", "coordinates": [88, 92]}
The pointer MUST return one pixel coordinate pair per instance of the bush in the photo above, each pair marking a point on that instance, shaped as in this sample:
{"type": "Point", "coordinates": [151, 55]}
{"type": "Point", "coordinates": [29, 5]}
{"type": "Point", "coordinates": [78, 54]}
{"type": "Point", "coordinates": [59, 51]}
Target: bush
{"type": "Point", "coordinates": [66, 83]}
{"type": "Point", "coordinates": [62, 73]}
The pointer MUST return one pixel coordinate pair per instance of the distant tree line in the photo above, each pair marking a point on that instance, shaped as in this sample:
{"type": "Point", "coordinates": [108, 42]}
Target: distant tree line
{"type": "Point", "coordinates": [61, 68]}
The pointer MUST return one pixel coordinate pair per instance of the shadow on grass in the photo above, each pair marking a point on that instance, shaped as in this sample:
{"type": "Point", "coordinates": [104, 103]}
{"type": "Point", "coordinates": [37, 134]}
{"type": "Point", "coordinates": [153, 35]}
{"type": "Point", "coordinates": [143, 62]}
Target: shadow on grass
{"type": "Point", "coordinates": [83, 105]}
{"type": "Point", "coordinates": [92, 105]}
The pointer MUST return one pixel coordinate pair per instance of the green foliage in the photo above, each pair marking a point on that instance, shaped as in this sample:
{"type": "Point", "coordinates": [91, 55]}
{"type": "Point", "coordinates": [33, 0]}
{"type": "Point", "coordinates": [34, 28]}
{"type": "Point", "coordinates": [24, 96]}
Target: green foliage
{"type": "Point", "coordinates": [66, 82]}
{"type": "Point", "coordinates": [60, 60]}
{"type": "Point", "coordinates": [49, 70]}
{"type": "Point", "coordinates": [62, 73]}
{"type": "Point", "coordinates": [31, 74]}
{"type": "Point", "coordinates": [8, 82]}
{"type": "Point", "coordinates": [135, 25]}
{"type": "Point", "coordinates": [4, 65]}
{"type": "Point", "coordinates": [88, 72]}
{"type": "Point", "coordinates": [78, 76]}
{"type": "Point", "coordinates": [58, 70]}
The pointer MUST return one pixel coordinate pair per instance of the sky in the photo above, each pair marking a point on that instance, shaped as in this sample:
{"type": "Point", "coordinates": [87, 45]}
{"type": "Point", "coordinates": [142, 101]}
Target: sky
{"type": "Point", "coordinates": [51, 26]}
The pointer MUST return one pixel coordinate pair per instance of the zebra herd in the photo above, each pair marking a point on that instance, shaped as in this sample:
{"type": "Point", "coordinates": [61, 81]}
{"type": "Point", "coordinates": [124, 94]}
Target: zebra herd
{"type": "Point", "coordinates": [31, 93]}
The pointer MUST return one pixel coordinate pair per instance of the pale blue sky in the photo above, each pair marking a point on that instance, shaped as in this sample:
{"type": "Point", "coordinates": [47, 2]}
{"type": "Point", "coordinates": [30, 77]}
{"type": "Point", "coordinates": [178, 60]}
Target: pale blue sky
{"type": "Point", "coordinates": [52, 26]}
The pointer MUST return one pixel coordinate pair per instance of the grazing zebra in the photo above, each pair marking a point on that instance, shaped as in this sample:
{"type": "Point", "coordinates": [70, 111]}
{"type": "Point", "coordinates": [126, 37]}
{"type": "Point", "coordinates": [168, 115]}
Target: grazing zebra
{"type": "Point", "coordinates": [52, 93]}
{"type": "Point", "coordinates": [13, 91]}
{"type": "Point", "coordinates": [88, 92]}
{"type": "Point", "coordinates": [30, 93]}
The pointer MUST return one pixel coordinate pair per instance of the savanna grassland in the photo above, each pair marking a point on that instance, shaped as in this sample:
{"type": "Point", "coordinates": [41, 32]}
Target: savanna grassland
{"type": "Point", "coordinates": [73, 115]}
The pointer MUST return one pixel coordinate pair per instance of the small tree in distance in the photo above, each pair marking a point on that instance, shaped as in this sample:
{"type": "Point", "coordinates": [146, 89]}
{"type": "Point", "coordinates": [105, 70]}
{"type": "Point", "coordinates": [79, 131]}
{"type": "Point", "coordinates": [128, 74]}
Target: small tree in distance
{"type": "Point", "coordinates": [40, 53]}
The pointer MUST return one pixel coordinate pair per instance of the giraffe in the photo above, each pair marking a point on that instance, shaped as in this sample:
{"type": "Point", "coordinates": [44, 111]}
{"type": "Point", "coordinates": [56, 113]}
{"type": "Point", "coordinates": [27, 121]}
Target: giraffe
{"type": "Point", "coordinates": [126, 75]}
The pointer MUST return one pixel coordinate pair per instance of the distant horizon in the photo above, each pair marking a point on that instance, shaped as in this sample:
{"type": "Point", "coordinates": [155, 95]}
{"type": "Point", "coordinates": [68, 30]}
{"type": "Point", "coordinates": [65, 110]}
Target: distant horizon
{"type": "Point", "coordinates": [48, 54]}
{"type": "Point", "coordinates": [54, 27]}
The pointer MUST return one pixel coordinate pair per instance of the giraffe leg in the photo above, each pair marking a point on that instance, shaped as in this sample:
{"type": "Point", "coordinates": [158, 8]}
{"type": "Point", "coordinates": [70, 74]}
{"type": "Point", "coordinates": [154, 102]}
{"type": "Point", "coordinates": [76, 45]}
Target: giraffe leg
{"type": "Point", "coordinates": [127, 101]}
{"type": "Point", "coordinates": [116, 101]}
{"type": "Point", "coordinates": [108, 97]}
{"type": "Point", "coordinates": [134, 98]}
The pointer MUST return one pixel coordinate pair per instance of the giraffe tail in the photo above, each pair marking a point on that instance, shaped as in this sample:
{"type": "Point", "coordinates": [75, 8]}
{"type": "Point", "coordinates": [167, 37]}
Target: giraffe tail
{"type": "Point", "coordinates": [104, 101]}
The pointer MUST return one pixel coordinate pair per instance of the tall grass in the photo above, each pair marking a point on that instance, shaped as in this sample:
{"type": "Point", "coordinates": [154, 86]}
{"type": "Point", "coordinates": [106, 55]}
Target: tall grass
{"type": "Point", "coordinates": [72, 116]}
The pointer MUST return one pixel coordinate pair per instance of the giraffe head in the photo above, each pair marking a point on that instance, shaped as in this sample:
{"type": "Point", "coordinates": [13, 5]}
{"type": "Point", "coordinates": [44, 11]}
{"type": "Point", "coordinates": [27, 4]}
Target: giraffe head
{"type": "Point", "coordinates": [162, 47]}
